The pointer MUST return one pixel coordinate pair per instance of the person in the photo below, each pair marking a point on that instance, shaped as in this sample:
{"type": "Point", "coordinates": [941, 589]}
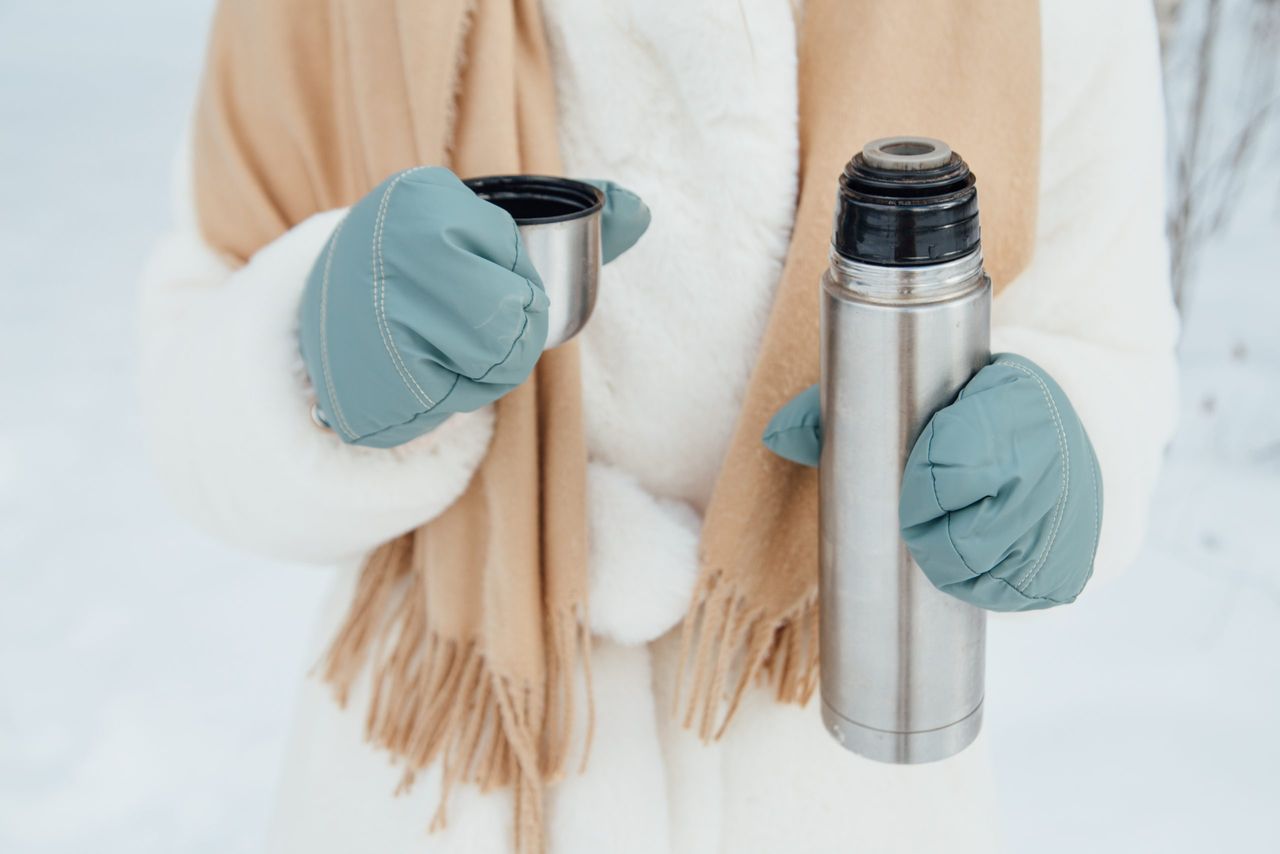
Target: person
{"type": "Point", "coordinates": [503, 517]}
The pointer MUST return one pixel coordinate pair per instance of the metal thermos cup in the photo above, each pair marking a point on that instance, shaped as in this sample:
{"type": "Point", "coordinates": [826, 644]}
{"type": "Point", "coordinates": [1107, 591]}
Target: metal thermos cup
{"type": "Point", "coordinates": [905, 324]}
{"type": "Point", "coordinates": [559, 223]}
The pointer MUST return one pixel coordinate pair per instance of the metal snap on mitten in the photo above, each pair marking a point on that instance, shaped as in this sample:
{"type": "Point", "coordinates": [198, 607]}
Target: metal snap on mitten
{"type": "Point", "coordinates": [559, 224]}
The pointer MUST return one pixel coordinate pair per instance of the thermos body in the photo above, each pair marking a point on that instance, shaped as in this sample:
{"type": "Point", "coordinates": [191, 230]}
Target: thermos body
{"type": "Point", "coordinates": [902, 662]}
{"type": "Point", "coordinates": [906, 310]}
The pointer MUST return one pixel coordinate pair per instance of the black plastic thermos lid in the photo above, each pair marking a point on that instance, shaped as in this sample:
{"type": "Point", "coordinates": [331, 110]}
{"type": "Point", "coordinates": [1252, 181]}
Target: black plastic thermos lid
{"type": "Point", "coordinates": [906, 201]}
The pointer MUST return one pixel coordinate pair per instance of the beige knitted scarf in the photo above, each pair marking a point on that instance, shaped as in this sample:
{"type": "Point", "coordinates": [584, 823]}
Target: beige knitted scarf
{"type": "Point", "coordinates": [472, 627]}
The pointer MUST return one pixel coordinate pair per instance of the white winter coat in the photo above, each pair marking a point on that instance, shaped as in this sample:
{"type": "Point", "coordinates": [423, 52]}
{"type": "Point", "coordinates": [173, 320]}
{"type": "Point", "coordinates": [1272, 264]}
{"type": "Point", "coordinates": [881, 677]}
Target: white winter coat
{"type": "Point", "coordinates": [707, 137]}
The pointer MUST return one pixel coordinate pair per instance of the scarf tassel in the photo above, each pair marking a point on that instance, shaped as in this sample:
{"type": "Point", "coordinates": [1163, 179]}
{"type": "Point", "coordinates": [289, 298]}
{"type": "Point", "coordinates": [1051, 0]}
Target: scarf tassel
{"type": "Point", "coordinates": [436, 699]}
{"type": "Point", "coordinates": [729, 647]}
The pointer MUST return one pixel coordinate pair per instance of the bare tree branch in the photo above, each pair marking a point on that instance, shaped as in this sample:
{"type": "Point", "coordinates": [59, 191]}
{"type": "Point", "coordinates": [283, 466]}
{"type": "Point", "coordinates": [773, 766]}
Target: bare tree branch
{"type": "Point", "coordinates": [1212, 152]}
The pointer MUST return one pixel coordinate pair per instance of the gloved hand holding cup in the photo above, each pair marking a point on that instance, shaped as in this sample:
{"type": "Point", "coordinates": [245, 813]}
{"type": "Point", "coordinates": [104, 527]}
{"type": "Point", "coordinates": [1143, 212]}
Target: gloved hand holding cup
{"type": "Point", "coordinates": [429, 300]}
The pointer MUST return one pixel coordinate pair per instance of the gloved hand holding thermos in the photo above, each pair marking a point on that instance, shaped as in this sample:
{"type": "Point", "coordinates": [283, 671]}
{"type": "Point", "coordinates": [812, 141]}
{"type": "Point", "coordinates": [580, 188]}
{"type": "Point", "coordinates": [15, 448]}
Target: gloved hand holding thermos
{"type": "Point", "coordinates": [938, 463]}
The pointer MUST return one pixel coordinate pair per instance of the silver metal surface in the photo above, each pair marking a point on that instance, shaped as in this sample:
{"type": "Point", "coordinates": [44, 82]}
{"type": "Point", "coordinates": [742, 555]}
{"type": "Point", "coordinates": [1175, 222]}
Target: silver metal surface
{"type": "Point", "coordinates": [902, 663]}
{"type": "Point", "coordinates": [566, 255]}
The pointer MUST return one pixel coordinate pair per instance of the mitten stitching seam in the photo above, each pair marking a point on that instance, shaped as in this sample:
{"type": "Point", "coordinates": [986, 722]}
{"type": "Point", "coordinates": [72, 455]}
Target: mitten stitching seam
{"type": "Point", "coordinates": [380, 296]}
{"type": "Point", "coordinates": [415, 416]}
{"type": "Point", "coordinates": [341, 417]}
{"type": "Point", "coordinates": [524, 311]}
{"type": "Point", "coordinates": [1031, 598]}
{"type": "Point", "coordinates": [946, 514]}
{"type": "Point", "coordinates": [1094, 477]}
{"type": "Point", "coordinates": [1065, 469]}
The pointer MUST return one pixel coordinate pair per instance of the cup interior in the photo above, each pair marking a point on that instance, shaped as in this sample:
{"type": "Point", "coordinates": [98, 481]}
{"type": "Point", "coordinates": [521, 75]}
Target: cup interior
{"type": "Point", "coordinates": [536, 199]}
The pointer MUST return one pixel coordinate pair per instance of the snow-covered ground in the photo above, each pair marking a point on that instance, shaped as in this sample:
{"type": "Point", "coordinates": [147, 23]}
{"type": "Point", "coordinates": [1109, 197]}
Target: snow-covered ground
{"type": "Point", "coordinates": [146, 673]}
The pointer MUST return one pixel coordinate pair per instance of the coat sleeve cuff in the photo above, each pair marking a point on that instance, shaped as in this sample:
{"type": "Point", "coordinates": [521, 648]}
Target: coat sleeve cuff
{"type": "Point", "coordinates": [643, 559]}
{"type": "Point", "coordinates": [227, 406]}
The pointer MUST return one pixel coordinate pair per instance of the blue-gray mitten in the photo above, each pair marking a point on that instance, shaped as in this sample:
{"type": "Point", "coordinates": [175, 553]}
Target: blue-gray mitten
{"type": "Point", "coordinates": [1001, 499]}
{"type": "Point", "coordinates": [423, 303]}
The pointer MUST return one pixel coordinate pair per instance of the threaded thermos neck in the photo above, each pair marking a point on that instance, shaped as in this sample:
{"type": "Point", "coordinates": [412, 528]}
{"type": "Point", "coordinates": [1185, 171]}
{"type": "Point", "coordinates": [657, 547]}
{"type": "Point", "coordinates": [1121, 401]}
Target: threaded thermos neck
{"type": "Point", "coordinates": [906, 201]}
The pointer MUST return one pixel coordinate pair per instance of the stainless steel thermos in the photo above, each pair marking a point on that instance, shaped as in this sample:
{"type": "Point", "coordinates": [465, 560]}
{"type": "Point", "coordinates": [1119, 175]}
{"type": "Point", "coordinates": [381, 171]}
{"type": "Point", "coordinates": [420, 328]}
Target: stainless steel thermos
{"type": "Point", "coordinates": [905, 324]}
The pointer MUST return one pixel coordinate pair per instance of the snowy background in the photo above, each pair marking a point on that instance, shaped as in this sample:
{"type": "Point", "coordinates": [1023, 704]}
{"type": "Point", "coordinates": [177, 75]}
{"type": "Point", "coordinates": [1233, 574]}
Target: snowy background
{"type": "Point", "coordinates": [147, 673]}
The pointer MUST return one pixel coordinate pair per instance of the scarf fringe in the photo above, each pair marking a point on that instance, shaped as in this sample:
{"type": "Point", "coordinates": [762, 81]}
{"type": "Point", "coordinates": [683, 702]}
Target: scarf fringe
{"type": "Point", "coordinates": [437, 699]}
{"type": "Point", "coordinates": [728, 647]}
{"type": "Point", "coordinates": [569, 643]}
